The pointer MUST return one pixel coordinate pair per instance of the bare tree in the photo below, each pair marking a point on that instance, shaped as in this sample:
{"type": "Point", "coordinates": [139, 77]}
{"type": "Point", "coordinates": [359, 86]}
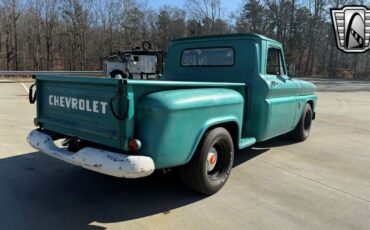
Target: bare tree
{"type": "Point", "coordinates": [77, 34]}
{"type": "Point", "coordinates": [205, 11]}
{"type": "Point", "coordinates": [50, 21]}
{"type": "Point", "coordinates": [12, 12]}
{"type": "Point", "coordinates": [33, 33]}
{"type": "Point", "coordinates": [253, 18]}
{"type": "Point", "coordinates": [76, 17]}
{"type": "Point", "coordinates": [170, 24]}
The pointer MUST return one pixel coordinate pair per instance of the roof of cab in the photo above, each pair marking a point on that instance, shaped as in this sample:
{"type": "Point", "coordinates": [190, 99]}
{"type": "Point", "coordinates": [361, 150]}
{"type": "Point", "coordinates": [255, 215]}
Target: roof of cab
{"type": "Point", "coordinates": [228, 36]}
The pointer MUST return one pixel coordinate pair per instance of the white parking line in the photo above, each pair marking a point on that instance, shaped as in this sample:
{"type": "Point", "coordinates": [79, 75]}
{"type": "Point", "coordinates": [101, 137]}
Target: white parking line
{"type": "Point", "coordinates": [25, 87]}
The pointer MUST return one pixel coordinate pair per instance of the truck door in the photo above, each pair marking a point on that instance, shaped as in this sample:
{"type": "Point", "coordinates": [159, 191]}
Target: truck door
{"type": "Point", "coordinates": [282, 98]}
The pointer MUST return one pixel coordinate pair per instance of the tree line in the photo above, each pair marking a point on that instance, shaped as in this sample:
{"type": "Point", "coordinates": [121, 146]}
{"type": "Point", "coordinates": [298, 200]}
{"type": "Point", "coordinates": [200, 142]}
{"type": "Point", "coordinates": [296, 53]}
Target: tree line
{"type": "Point", "coordinates": [78, 34]}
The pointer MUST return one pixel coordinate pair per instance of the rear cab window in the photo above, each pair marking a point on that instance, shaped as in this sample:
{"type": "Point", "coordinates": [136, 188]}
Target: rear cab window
{"type": "Point", "coordinates": [218, 56]}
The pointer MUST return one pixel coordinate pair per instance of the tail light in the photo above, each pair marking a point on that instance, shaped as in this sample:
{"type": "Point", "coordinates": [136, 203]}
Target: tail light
{"type": "Point", "coordinates": [134, 145]}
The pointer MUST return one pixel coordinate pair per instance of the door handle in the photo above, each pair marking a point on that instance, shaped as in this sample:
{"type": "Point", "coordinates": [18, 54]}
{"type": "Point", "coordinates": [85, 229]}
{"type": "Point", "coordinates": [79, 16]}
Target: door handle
{"type": "Point", "coordinates": [274, 83]}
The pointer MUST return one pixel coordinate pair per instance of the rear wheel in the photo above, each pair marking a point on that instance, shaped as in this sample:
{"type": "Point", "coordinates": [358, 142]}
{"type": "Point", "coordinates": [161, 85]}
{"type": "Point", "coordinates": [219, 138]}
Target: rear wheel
{"type": "Point", "coordinates": [117, 74]}
{"type": "Point", "coordinates": [303, 128]}
{"type": "Point", "coordinates": [210, 167]}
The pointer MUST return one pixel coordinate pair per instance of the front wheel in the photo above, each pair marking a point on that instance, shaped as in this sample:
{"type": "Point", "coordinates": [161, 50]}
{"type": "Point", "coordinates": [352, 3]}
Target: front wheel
{"type": "Point", "coordinates": [210, 167]}
{"type": "Point", "coordinates": [303, 128]}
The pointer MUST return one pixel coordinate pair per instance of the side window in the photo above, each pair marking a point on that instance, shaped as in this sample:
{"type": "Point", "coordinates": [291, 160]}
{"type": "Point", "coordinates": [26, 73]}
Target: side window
{"type": "Point", "coordinates": [274, 62]}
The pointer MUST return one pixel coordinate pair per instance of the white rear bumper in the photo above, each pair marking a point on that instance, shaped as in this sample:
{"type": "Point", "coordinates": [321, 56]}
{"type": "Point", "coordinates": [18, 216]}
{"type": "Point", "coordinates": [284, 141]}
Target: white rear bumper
{"type": "Point", "coordinates": [98, 160]}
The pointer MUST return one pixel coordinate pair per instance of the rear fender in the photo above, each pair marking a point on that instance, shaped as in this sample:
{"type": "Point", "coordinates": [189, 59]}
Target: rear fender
{"type": "Point", "coordinates": [170, 124]}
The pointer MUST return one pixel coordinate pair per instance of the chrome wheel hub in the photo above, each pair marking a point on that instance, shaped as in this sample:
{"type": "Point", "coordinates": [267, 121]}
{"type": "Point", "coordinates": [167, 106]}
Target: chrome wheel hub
{"type": "Point", "coordinates": [211, 159]}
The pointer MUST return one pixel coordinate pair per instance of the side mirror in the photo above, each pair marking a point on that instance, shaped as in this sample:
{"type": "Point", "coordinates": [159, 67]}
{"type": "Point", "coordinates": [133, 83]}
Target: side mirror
{"type": "Point", "coordinates": [291, 70]}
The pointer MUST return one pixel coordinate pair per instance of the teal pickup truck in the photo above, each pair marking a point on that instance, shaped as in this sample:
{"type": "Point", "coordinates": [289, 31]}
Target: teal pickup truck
{"type": "Point", "coordinates": [218, 94]}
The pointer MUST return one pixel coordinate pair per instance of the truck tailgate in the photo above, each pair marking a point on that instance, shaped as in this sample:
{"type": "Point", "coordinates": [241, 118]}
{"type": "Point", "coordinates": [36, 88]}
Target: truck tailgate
{"type": "Point", "coordinates": [80, 107]}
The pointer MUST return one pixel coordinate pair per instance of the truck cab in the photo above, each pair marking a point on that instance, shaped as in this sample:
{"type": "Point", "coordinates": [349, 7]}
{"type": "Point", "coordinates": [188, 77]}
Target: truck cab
{"type": "Point", "coordinates": [273, 100]}
{"type": "Point", "coordinates": [218, 94]}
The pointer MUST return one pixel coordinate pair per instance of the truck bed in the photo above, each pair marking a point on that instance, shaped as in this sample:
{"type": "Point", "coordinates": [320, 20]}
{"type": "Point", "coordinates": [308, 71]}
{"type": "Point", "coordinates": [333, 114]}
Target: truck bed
{"type": "Point", "coordinates": [80, 106]}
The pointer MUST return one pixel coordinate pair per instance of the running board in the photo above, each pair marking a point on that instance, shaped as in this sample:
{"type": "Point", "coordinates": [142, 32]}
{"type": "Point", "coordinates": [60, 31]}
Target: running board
{"type": "Point", "coordinates": [246, 142]}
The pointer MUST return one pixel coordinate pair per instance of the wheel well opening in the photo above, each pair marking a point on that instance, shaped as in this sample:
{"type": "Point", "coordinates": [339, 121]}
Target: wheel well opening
{"type": "Point", "coordinates": [232, 128]}
{"type": "Point", "coordinates": [311, 104]}
{"type": "Point", "coordinates": [114, 72]}
{"type": "Point", "coordinates": [312, 107]}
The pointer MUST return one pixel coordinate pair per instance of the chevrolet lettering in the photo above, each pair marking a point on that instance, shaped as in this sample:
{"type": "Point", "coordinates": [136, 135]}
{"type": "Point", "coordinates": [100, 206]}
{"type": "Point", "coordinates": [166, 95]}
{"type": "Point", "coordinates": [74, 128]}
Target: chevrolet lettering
{"type": "Point", "coordinates": [78, 104]}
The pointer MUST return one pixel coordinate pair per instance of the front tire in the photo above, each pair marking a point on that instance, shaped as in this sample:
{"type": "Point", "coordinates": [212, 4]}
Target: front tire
{"type": "Point", "coordinates": [210, 167]}
{"type": "Point", "coordinates": [303, 128]}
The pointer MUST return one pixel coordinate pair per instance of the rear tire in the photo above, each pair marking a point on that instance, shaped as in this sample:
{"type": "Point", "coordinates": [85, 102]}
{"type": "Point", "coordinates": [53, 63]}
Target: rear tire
{"type": "Point", "coordinates": [117, 74]}
{"type": "Point", "coordinates": [210, 167]}
{"type": "Point", "coordinates": [303, 128]}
